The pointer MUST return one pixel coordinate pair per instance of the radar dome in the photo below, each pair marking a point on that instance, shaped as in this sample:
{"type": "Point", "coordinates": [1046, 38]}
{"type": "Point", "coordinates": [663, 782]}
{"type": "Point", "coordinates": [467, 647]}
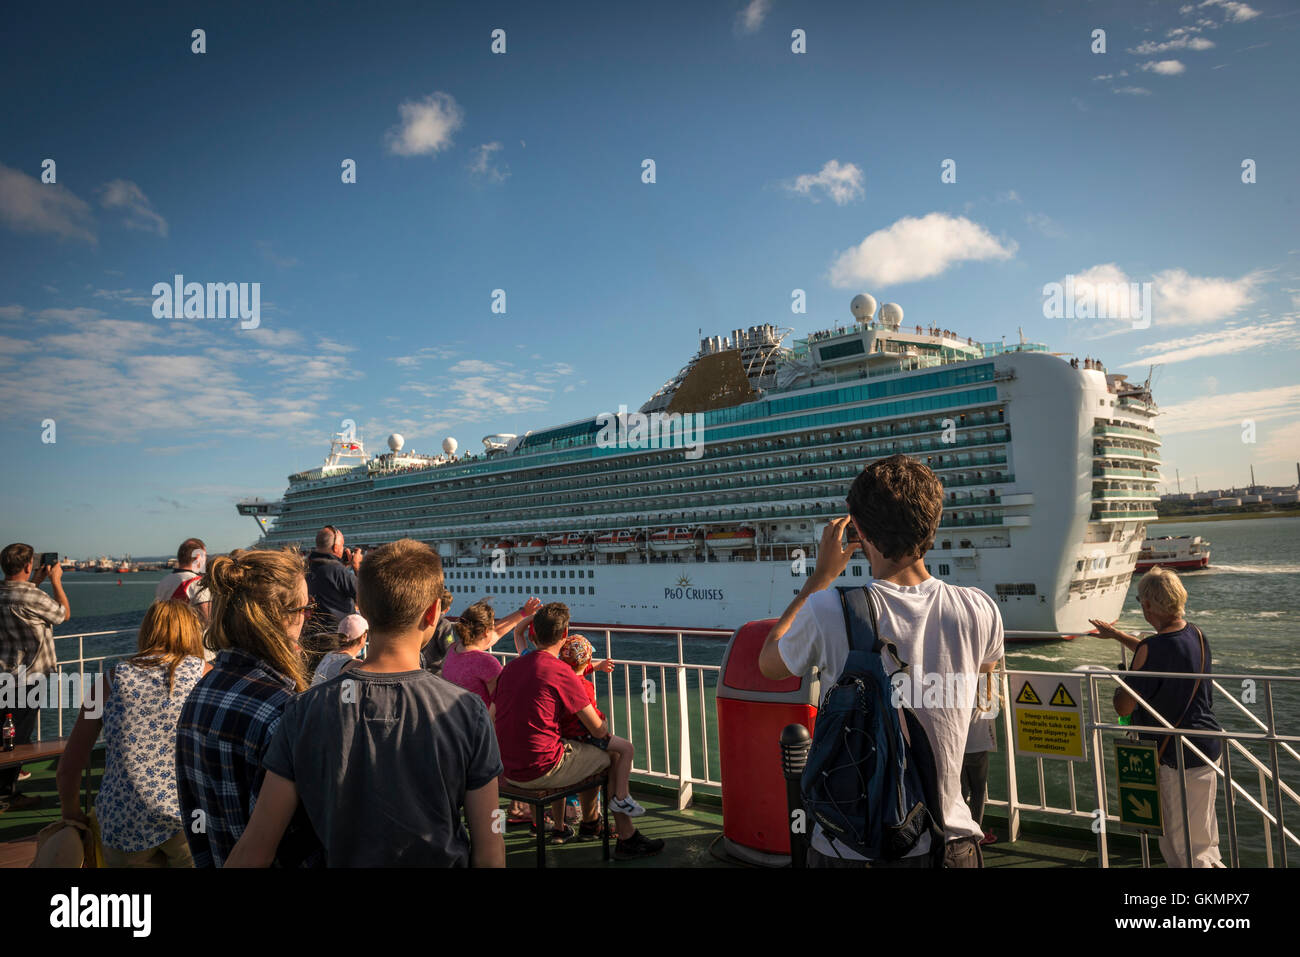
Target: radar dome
{"type": "Point", "coordinates": [891, 314]}
{"type": "Point", "coordinates": [395, 442]}
{"type": "Point", "coordinates": [449, 445]}
{"type": "Point", "coordinates": [863, 307]}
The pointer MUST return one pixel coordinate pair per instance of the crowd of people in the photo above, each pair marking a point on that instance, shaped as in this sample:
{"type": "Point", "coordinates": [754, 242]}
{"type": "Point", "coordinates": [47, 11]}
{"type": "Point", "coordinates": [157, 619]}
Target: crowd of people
{"type": "Point", "coordinates": [291, 711]}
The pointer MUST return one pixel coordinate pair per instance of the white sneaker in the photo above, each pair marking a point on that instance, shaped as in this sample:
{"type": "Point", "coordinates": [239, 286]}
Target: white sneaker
{"type": "Point", "coordinates": [626, 806]}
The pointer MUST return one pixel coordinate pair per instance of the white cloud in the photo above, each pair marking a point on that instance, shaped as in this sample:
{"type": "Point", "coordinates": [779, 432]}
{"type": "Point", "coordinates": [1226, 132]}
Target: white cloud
{"type": "Point", "coordinates": [1279, 334]}
{"type": "Point", "coordinates": [11, 312]}
{"type": "Point", "coordinates": [1195, 43]}
{"type": "Point", "coordinates": [841, 182]}
{"type": "Point", "coordinates": [426, 126]}
{"type": "Point", "coordinates": [1229, 409]}
{"type": "Point", "coordinates": [1164, 67]}
{"type": "Point", "coordinates": [482, 164]}
{"type": "Point", "coordinates": [1191, 300]}
{"type": "Point", "coordinates": [751, 18]}
{"type": "Point", "coordinates": [916, 248]}
{"type": "Point", "coordinates": [29, 206]}
{"type": "Point", "coordinates": [1132, 90]}
{"type": "Point", "coordinates": [1177, 298]}
{"type": "Point", "coordinates": [140, 214]}
{"type": "Point", "coordinates": [1236, 12]}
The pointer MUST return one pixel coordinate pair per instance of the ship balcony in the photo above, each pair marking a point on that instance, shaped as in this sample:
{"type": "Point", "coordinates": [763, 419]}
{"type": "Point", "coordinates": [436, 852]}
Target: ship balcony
{"type": "Point", "coordinates": [1138, 405]}
{"type": "Point", "coordinates": [1121, 515]}
{"type": "Point", "coordinates": [1120, 452]}
{"type": "Point", "coordinates": [1126, 494]}
{"type": "Point", "coordinates": [1109, 472]}
{"type": "Point", "coordinates": [1126, 432]}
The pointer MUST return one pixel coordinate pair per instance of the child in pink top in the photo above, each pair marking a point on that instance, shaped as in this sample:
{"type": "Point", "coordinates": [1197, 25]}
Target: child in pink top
{"type": "Point", "coordinates": [468, 663]}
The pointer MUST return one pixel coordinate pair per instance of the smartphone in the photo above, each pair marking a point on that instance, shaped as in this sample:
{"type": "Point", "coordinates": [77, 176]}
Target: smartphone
{"type": "Point", "coordinates": [49, 559]}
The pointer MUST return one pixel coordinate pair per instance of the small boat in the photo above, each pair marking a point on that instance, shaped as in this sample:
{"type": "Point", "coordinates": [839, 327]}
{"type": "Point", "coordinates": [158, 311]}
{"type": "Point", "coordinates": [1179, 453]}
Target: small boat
{"type": "Point", "coordinates": [490, 548]}
{"type": "Point", "coordinates": [731, 538]}
{"type": "Point", "coordinates": [672, 540]}
{"type": "Point", "coordinates": [1182, 552]}
{"type": "Point", "coordinates": [616, 543]}
{"type": "Point", "coordinates": [570, 544]}
{"type": "Point", "coordinates": [533, 546]}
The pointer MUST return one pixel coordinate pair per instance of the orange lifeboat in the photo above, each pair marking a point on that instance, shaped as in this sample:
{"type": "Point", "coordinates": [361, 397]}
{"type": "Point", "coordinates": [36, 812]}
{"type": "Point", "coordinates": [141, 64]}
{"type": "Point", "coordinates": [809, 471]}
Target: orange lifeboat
{"type": "Point", "coordinates": [615, 543]}
{"type": "Point", "coordinates": [730, 538]}
{"type": "Point", "coordinates": [672, 540]}
{"type": "Point", "coordinates": [570, 544]}
{"type": "Point", "coordinates": [534, 546]}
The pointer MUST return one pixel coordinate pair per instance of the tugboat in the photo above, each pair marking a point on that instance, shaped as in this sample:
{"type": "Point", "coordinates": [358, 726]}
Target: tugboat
{"type": "Point", "coordinates": [1182, 552]}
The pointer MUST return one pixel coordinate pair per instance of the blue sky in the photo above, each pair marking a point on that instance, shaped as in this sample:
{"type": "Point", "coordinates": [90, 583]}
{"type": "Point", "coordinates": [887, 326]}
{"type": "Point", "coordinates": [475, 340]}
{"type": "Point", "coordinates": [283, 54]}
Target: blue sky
{"type": "Point", "coordinates": [523, 172]}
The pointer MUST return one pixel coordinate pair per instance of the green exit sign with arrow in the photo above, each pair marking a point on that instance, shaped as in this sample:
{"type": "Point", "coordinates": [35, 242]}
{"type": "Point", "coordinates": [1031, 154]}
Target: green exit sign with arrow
{"type": "Point", "coordinates": [1137, 774]}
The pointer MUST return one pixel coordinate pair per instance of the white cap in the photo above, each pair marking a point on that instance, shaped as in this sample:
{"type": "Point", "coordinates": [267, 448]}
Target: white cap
{"type": "Point", "coordinates": [353, 627]}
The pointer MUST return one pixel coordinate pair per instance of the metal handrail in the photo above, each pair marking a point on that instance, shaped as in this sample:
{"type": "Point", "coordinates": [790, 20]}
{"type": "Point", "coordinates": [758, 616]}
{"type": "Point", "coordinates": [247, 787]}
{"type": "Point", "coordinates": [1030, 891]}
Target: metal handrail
{"type": "Point", "coordinates": [1095, 726]}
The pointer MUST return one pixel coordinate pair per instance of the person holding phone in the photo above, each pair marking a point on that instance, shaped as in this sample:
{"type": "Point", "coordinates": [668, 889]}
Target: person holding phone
{"type": "Point", "coordinates": [27, 620]}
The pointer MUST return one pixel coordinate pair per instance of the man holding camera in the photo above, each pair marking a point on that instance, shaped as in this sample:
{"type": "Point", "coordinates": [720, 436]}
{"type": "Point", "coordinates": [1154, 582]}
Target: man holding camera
{"type": "Point", "coordinates": [27, 620]}
{"type": "Point", "coordinates": [331, 580]}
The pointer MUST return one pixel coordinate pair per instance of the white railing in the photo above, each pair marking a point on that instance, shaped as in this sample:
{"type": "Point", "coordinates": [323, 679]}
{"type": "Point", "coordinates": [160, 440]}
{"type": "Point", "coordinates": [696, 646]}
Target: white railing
{"type": "Point", "coordinates": [674, 730]}
{"type": "Point", "coordinates": [1268, 807]}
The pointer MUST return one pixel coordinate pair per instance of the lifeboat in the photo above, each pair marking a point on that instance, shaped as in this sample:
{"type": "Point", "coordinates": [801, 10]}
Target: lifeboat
{"type": "Point", "coordinates": [534, 546]}
{"type": "Point", "coordinates": [731, 538]}
{"type": "Point", "coordinates": [672, 540]}
{"type": "Point", "coordinates": [615, 543]}
{"type": "Point", "coordinates": [570, 544]}
{"type": "Point", "coordinates": [490, 547]}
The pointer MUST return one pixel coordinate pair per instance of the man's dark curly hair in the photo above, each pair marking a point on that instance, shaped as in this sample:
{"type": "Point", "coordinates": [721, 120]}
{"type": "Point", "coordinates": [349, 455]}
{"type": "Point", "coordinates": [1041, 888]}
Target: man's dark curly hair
{"type": "Point", "coordinates": [897, 502]}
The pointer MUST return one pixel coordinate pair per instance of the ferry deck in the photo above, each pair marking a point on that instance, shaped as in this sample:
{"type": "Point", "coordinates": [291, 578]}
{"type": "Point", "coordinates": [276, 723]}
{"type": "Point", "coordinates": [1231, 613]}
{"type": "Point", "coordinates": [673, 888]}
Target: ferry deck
{"type": "Point", "coordinates": [1042, 814]}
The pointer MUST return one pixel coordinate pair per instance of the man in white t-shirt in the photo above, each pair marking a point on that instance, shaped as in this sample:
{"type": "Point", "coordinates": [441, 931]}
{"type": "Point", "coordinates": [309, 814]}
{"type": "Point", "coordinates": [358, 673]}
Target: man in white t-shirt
{"type": "Point", "coordinates": [947, 634]}
{"type": "Point", "coordinates": [183, 584]}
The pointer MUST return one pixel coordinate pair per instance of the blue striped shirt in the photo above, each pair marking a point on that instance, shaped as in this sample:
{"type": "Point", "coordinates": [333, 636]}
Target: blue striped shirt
{"type": "Point", "coordinates": [224, 730]}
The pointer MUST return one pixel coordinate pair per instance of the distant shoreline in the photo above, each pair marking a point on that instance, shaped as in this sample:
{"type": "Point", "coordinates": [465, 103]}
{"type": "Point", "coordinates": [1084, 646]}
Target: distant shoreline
{"type": "Point", "coordinates": [1225, 517]}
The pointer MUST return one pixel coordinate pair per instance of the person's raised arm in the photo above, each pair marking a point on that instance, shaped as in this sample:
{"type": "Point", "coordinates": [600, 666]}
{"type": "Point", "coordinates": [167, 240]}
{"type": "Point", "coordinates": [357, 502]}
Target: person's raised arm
{"type": "Point", "coordinates": [76, 756]}
{"type": "Point", "coordinates": [521, 634]}
{"type": "Point", "coordinates": [506, 624]}
{"type": "Point", "coordinates": [56, 583]}
{"type": "Point", "coordinates": [276, 803]}
{"type": "Point", "coordinates": [1107, 630]}
{"type": "Point", "coordinates": [832, 559]}
{"type": "Point", "coordinates": [487, 846]}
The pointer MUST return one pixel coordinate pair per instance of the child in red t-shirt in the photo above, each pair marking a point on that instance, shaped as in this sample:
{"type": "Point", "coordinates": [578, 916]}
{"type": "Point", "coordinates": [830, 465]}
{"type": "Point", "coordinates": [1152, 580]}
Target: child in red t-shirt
{"type": "Point", "coordinates": [577, 654]}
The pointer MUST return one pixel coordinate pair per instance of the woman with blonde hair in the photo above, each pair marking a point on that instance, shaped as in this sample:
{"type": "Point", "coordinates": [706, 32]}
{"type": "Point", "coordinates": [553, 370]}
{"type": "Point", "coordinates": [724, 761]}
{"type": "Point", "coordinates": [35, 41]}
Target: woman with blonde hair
{"type": "Point", "coordinates": [1186, 703]}
{"type": "Point", "coordinates": [137, 704]}
{"type": "Point", "coordinates": [259, 608]}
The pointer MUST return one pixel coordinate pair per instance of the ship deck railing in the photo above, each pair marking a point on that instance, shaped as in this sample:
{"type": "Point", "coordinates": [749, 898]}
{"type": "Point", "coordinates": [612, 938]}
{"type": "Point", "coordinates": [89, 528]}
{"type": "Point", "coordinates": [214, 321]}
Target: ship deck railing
{"type": "Point", "coordinates": [664, 705]}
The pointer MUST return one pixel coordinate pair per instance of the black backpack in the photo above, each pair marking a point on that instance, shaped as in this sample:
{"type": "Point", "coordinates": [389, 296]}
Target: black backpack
{"type": "Point", "coordinates": [871, 780]}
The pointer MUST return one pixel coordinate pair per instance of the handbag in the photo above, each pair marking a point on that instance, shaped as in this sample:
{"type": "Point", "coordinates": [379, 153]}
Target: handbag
{"type": "Point", "coordinates": [1160, 751]}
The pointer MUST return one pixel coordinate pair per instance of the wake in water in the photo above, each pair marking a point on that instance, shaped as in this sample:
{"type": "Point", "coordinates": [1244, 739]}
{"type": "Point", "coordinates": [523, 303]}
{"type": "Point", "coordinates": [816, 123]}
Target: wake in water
{"type": "Point", "coordinates": [1251, 570]}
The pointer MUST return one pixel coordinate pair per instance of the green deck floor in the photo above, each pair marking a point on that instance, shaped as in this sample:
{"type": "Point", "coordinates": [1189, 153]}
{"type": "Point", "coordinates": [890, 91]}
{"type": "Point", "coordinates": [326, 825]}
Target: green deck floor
{"type": "Point", "coordinates": [691, 836]}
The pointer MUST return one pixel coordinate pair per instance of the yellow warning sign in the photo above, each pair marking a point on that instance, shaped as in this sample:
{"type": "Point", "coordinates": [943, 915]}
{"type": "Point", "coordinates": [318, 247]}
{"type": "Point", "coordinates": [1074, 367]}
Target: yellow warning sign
{"type": "Point", "coordinates": [1047, 717]}
{"type": "Point", "coordinates": [1028, 695]}
{"type": "Point", "coordinates": [1061, 697]}
{"type": "Point", "coordinates": [1051, 734]}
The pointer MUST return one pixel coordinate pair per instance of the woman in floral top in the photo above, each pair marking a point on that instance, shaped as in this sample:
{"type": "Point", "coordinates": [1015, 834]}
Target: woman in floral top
{"type": "Point", "coordinates": [137, 806]}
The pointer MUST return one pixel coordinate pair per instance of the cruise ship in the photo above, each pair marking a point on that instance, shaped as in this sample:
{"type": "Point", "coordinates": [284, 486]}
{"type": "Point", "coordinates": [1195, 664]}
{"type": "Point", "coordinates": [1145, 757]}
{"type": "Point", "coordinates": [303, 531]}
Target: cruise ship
{"type": "Point", "coordinates": [704, 508]}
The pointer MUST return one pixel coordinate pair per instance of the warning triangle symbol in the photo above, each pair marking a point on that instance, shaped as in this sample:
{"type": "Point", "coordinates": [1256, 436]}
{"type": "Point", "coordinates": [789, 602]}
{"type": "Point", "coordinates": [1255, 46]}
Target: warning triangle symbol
{"type": "Point", "coordinates": [1062, 697]}
{"type": "Point", "coordinates": [1027, 695]}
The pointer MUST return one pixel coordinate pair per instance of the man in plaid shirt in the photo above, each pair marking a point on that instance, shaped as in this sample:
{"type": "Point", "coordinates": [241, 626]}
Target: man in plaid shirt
{"type": "Point", "coordinates": [27, 620]}
{"type": "Point", "coordinates": [233, 713]}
